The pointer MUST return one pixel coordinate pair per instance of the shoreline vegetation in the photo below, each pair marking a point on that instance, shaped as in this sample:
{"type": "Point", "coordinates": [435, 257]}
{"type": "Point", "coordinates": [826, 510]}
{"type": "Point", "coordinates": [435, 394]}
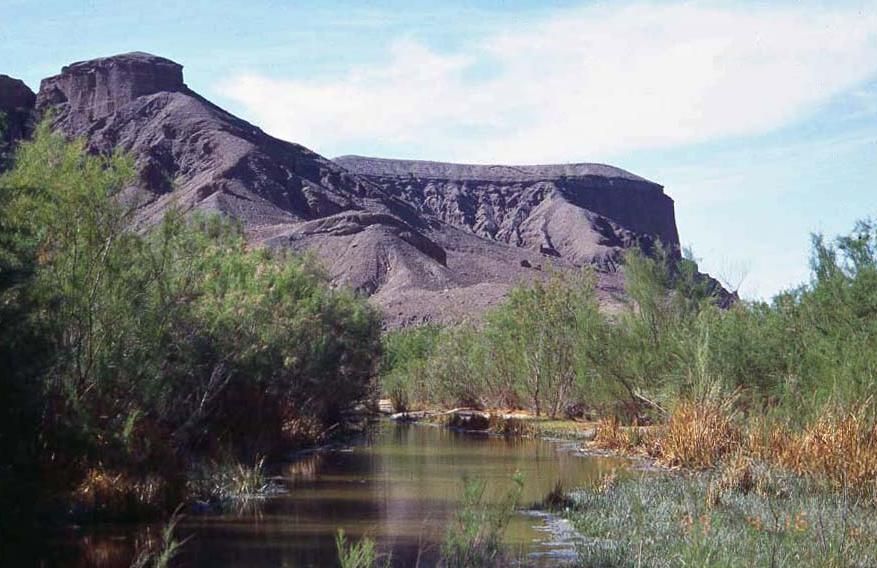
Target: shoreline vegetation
{"type": "Point", "coordinates": [162, 365]}
{"type": "Point", "coordinates": [763, 414]}
{"type": "Point", "coordinates": [674, 377]}
{"type": "Point", "coordinates": [146, 368]}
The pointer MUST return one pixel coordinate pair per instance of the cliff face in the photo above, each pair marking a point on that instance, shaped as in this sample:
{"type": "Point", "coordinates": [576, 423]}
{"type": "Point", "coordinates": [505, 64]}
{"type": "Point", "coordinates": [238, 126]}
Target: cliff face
{"type": "Point", "coordinates": [427, 241]}
{"type": "Point", "coordinates": [85, 93]}
{"type": "Point", "coordinates": [585, 213]}
{"type": "Point", "coordinates": [185, 146]}
{"type": "Point", "coordinates": [16, 106]}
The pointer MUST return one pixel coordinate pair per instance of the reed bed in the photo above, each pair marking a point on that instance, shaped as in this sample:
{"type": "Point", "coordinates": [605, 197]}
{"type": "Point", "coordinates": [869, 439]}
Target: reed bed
{"type": "Point", "coordinates": [838, 449]}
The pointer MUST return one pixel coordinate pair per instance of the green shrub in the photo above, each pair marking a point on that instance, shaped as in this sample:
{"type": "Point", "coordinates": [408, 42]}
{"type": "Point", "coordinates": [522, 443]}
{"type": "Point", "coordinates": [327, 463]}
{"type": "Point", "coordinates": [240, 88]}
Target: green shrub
{"type": "Point", "coordinates": [475, 536]}
{"type": "Point", "coordinates": [142, 351]}
{"type": "Point", "coordinates": [361, 554]}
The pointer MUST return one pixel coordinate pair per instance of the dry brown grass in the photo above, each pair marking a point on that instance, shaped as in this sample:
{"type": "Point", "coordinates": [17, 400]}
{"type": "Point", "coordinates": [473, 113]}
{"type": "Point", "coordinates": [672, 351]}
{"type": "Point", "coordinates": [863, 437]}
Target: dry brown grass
{"type": "Point", "coordinates": [511, 426]}
{"type": "Point", "coordinates": [839, 448]}
{"type": "Point", "coordinates": [119, 495]}
{"type": "Point", "coordinates": [610, 435]}
{"type": "Point", "coordinates": [698, 436]}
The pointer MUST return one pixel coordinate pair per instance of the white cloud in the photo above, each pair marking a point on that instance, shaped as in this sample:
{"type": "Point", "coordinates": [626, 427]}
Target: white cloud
{"type": "Point", "coordinates": [585, 84]}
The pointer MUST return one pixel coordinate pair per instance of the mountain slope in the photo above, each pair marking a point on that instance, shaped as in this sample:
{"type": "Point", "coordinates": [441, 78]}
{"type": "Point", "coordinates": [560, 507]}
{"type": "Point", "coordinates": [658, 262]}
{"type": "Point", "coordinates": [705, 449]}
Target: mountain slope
{"type": "Point", "coordinates": [427, 241]}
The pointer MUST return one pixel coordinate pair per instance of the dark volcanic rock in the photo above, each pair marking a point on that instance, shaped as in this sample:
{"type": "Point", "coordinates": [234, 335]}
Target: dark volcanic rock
{"type": "Point", "coordinates": [16, 106]}
{"type": "Point", "coordinates": [427, 241]}
{"type": "Point", "coordinates": [89, 91]}
{"type": "Point", "coordinates": [15, 95]}
{"type": "Point", "coordinates": [189, 151]}
{"type": "Point", "coordinates": [583, 212]}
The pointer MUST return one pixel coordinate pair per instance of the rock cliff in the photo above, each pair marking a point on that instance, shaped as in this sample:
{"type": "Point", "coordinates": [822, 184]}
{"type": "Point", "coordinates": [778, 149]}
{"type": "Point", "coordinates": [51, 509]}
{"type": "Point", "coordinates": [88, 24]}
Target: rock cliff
{"type": "Point", "coordinates": [16, 107]}
{"type": "Point", "coordinates": [585, 213]}
{"type": "Point", "coordinates": [426, 241]}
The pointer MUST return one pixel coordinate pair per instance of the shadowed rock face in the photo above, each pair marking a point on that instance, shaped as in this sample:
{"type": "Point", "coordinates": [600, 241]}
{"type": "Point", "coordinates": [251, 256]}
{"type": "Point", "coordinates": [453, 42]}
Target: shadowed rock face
{"type": "Point", "coordinates": [426, 241]}
{"type": "Point", "coordinates": [16, 106]}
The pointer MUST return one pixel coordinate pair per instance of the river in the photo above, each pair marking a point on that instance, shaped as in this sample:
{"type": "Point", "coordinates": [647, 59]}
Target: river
{"type": "Point", "coordinates": [399, 484]}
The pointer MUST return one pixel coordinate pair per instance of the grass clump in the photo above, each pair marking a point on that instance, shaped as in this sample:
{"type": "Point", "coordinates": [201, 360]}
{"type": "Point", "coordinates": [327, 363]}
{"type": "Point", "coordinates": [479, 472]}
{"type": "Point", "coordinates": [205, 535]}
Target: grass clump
{"type": "Point", "coordinates": [159, 552]}
{"type": "Point", "coordinates": [223, 481]}
{"type": "Point", "coordinates": [475, 536]}
{"type": "Point", "coordinates": [838, 448]}
{"type": "Point", "coordinates": [698, 435]}
{"type": "Point", "coordinates": [511, 426]}
{"type": "Point", "coordinates": [669, 521]}
{"type": "Point", "coordinates": [109, 495]}
{"type": "Point", "coordinates": [359, 554]}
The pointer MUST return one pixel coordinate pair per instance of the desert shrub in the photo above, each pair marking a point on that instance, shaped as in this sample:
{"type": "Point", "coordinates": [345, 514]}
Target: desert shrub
{"type": "Point", "coordinates": [456, 369]}
{"type": "Point", "coordinates": [404, 364]}
{"type": "Point", "coordinates": [536, 339]}
{"type": "Point", "coordinates": [142, 351]}
{"type": "Point", "coordinates": [637, 361]}
{"type": "Point", "coordinates": [529, 352]}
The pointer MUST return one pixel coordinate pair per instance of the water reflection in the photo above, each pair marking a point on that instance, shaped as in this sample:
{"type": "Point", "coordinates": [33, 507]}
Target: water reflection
{"type": "Point", "coordinates": [399, 486]}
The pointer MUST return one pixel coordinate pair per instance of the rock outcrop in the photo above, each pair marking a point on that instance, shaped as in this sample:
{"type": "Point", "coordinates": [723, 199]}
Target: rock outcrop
{"type": "Point", "coordinates": [16, 107]}
{"type": "Point", "coordinates": [585, 213]}
{"type": "Point", "coordinates": [426, 241]}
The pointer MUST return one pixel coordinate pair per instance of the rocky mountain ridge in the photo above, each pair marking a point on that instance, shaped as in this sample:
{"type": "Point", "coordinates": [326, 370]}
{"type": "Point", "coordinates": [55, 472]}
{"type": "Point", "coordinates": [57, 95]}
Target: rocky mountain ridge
{"type": "Point", "coordinates": [585, 213]}
{"type": "Point", "coordinates": [427, 241]}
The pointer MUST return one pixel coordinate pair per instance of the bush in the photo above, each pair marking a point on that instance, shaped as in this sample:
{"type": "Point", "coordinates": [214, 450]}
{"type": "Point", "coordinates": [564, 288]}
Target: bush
{"type": "Point", "coordinates": [143, 351]}
{"type": "Point", "coordinates": [699, 435]}
{"type": "Point", "coordinates": [361, 554]}
{"type": "Point", "coordinates": [475, 536]}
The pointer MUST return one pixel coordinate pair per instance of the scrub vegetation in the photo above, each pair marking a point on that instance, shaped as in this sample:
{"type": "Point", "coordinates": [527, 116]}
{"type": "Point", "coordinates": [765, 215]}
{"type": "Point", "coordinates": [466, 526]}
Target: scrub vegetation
{"type": "Point", "coordinates": [132, 361]}
{"type": "Point", "coordinates": [738, 515]}
{"type": "Point", "coordinates": [141, 367]}
{"type": "Point", "coordinates": [673, 376]}
{"type": "Point", "coordinates": [766, 410]}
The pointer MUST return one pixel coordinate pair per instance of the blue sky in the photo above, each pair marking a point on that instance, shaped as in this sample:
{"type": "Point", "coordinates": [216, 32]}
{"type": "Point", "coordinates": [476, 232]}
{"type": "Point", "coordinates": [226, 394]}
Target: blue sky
{"type": "Point", "coordinates": [760, 119]}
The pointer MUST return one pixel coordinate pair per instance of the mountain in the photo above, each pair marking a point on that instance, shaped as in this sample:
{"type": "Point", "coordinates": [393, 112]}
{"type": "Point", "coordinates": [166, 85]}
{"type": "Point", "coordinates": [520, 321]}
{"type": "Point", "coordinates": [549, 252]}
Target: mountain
{"type": "Point", "coordinates": [16, 106]}
{"type": "Point", "coordinates": [585, 213]}
{"type": "Point", "coordinates": [427, 241]}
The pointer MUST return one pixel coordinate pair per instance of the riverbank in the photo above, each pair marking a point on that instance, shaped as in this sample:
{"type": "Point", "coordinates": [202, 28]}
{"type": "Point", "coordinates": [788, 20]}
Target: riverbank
{"type": "Point", "coordinates": [704, 491]}
{"type": "Point", "coordinates": [739, 515]}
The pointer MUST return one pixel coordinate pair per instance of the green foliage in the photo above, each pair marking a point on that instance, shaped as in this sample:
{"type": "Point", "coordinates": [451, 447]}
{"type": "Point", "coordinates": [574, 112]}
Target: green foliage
{"type": "Point", "coordinates": [361, 554]}
{"type": "Point", "coordinates": [665, 521]}
{"type": "Point", "coordinates": [548, 345]}
{"type": "Point", "coordinates": [139, 351]}
{"type": "Point", "coordinates": [540, 335]}
{"type": "Point", "coordinates": [225, 481]}
{"type": "Point", "coordinates": [475, 536]}
{"type": "Point", "coordinates": [403, 365]}
{"type": "Point", "coordinates": [529, 351]}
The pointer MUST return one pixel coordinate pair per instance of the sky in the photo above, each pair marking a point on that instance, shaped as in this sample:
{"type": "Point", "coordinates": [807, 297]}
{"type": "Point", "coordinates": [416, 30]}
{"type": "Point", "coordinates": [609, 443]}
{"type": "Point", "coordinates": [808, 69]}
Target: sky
{"type": "Point", "coordinates": [758, 118]}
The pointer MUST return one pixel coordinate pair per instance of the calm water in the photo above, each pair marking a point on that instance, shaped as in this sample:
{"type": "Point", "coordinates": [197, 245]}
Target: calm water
{"type": "Point", "coordinates": [399, 485]}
